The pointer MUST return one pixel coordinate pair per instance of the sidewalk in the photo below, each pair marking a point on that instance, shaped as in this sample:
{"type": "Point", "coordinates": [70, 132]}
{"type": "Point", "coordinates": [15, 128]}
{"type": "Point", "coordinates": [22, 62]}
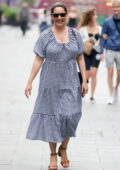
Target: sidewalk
{"type": "Point", "coordinates": [97, 145]}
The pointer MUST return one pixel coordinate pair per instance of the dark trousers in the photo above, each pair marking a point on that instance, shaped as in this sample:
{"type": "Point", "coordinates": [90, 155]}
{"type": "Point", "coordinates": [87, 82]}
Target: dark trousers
{"type": "Point", "coordinates": [0, 20]}
{"type": "Point", "coordinates": [23, 26]}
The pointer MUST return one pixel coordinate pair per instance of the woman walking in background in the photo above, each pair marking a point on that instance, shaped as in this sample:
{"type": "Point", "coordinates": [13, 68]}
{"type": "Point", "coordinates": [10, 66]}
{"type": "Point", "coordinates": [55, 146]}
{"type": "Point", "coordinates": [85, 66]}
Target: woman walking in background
{"type": "Point", "coordinates": [90, 32]}
{"type": "Point", "coordinates": [43, 19]}
{"type": "Point", "coordinates": [57, 109]}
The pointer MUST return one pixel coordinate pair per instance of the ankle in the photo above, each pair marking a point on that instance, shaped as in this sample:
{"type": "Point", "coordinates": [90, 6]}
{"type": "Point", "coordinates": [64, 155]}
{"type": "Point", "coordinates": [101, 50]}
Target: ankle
{"type": "Point", "coordinates": [53, 154]}
{"type": "Point", "coordinates": [53, 158]}
{"type": "Point", "coordinates": [63, 147]}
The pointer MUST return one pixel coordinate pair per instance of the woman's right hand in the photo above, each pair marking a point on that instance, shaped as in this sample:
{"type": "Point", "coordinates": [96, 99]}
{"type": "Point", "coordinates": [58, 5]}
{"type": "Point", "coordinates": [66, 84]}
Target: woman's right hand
{"type": "Point", "coordinates": [28, 90]}
{"type": "Point", "coordinates": [84, 88]}
{"type": "Point", "coordinates": [38, 61]}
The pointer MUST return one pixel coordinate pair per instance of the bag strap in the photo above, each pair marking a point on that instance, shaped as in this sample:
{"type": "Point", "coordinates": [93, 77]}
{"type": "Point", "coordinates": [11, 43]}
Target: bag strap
{"type": "Point", "coordinates": [74, 33]}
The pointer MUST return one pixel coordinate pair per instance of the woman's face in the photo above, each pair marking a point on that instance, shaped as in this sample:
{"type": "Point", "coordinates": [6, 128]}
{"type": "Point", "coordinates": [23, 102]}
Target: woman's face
{"type": "Point", "coordinates": [59, 16]}
{"type": "Point", "coordinates": [94, 17]}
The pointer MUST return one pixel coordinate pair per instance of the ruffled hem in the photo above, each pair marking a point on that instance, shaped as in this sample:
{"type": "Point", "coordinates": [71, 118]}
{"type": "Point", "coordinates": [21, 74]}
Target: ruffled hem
{"type": "Point", "coordinates": [52, 128]}
{"type": "Point", "coordinates": [55, 101]}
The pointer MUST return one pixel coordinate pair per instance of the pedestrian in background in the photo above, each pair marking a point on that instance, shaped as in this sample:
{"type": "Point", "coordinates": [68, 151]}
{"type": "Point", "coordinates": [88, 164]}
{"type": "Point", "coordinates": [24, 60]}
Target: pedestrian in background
{"type": "Point", "coordinates": [1, 13]}
{"type": "Point", "coordinates": [90, 32]}
{"type": "Point", "coordinates": [111, 43]}
{"type": "Point", "coordinates": [43, 21]}
{"type": "Point", "coordinates": [24, 17]}
{"type": "Point", "coordinates": [57, 109]}
{"type": "Point", "coordinates": [73, 17]}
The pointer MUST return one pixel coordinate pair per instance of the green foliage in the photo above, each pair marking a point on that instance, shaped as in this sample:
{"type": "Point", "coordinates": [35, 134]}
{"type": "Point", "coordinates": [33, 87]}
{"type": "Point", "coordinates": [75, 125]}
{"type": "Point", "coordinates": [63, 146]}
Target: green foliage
{"type": "Point", "coordinates": [9, 12]}
{"type": "Point", "coordinates": [101, 19]}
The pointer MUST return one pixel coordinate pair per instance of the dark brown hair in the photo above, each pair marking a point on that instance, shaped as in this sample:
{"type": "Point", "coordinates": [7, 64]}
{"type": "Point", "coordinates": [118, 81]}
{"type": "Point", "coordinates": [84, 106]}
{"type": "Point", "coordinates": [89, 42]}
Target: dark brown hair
{"type": "Point", "coordinates": [87, 16]}
{"type": "Point", "coordinates": [58, 4]}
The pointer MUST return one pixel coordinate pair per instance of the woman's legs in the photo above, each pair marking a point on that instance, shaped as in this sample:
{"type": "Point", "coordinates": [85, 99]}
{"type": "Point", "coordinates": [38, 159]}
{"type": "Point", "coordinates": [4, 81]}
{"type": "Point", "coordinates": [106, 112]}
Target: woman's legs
{"type": "Point", "coordinates": [88, 65]}
{"type": "Point", "coordinates": [53, 159]}
{"type": "Point", "coordinates": [88, 74]}
{"type": "Point", "coordinates": [93, 80]}
{"type": "Point", "coordinates": [64, 153]}
{"type": "Point", "coordinates": [93, 72]}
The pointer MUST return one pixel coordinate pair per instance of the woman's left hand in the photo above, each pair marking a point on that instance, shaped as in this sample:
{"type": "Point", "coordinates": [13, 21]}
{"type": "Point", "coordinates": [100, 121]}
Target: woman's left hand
{"type": "Point", "coordinates": [102, 57]}
{"type": "Point", "coordinates": [84, 88]}
{"type": "Point", "coordinates": [105, 36]}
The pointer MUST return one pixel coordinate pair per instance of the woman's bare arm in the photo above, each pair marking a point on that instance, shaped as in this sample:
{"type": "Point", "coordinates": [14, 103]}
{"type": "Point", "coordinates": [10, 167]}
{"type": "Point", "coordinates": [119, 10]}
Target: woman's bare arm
{"type": "Point", "coordinates": [37, 63]}
{"type": "Point", "coordinates": [82, 68]}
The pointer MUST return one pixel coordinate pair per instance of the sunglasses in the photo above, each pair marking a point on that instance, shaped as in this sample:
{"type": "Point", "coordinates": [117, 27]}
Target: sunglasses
{"type": "Point", "coordinates": [60, 14]}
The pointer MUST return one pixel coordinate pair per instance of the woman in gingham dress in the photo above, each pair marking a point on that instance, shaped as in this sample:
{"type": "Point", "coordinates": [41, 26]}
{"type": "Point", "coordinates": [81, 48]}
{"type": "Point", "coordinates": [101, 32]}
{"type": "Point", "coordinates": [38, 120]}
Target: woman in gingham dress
{"type": "Point", "coordinates": [57, 110]}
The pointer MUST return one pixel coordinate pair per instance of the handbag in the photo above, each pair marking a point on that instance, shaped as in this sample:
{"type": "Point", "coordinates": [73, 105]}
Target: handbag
{"type": "Point", "coordinates": [80, 77]}
{"type": "Point", "coordinates": [88, 47]}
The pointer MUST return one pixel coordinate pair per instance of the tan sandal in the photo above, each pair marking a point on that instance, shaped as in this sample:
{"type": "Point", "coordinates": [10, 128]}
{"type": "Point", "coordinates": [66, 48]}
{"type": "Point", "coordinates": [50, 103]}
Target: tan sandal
{"type": "Point", "coordinates": [53, 167]}
{"type": "Point", "coordinates": [63, 163]}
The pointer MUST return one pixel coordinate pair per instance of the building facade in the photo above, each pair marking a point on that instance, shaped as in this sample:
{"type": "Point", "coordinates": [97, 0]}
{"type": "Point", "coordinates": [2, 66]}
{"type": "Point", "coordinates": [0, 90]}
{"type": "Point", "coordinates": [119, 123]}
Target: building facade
{"type": "Point", "coordinates": [101, 5]}
{"type": "Point", "coordinates": [9, 2]}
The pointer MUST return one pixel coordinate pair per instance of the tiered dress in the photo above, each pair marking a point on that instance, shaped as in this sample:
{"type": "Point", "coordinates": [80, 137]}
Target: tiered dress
{"type": "Point", "coordinates": [57, 109]}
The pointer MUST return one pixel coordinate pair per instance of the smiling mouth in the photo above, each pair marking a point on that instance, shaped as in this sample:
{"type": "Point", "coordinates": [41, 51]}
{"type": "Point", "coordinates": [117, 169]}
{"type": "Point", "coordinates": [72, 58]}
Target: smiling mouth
{"type": "Point", "coordinates": [60, 21]}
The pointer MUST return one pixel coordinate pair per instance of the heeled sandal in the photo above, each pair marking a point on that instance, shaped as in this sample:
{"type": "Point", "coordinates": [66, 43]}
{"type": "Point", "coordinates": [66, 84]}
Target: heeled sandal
{"type": "Point", "coordinates": [64, 162]}
{"type": "Point", "coordinates": [53, 167]}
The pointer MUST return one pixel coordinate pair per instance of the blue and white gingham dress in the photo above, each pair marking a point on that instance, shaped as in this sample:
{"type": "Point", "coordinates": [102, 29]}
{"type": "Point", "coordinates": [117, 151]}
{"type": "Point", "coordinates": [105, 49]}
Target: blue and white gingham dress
{"type": "Point", "coordinates": [57, 109]}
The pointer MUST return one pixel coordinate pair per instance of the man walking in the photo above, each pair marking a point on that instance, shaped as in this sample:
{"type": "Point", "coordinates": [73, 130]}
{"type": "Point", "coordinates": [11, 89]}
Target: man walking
{"type": "Point", "coordinates": [1, 12]}
{"type": "Point", "coordinates": [24, 18]}
{"type": "Point", "coordinates": [111, 44]}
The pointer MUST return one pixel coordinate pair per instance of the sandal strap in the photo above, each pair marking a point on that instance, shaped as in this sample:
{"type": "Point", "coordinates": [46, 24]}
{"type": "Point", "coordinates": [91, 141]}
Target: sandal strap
{"type": "Point", "coordinates": [53, 167]}
{"type": "Point", "coordinates": [65, 161]}
{"type": "Point", "coordinates": [53, 154]}
{"type": "Point", "coordinates": [63, 148]}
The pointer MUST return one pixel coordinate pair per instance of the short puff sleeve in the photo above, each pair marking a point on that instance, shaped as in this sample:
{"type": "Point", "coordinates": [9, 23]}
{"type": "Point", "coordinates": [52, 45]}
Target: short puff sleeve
{"type": "Point", "coordinates": [39, 48]}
